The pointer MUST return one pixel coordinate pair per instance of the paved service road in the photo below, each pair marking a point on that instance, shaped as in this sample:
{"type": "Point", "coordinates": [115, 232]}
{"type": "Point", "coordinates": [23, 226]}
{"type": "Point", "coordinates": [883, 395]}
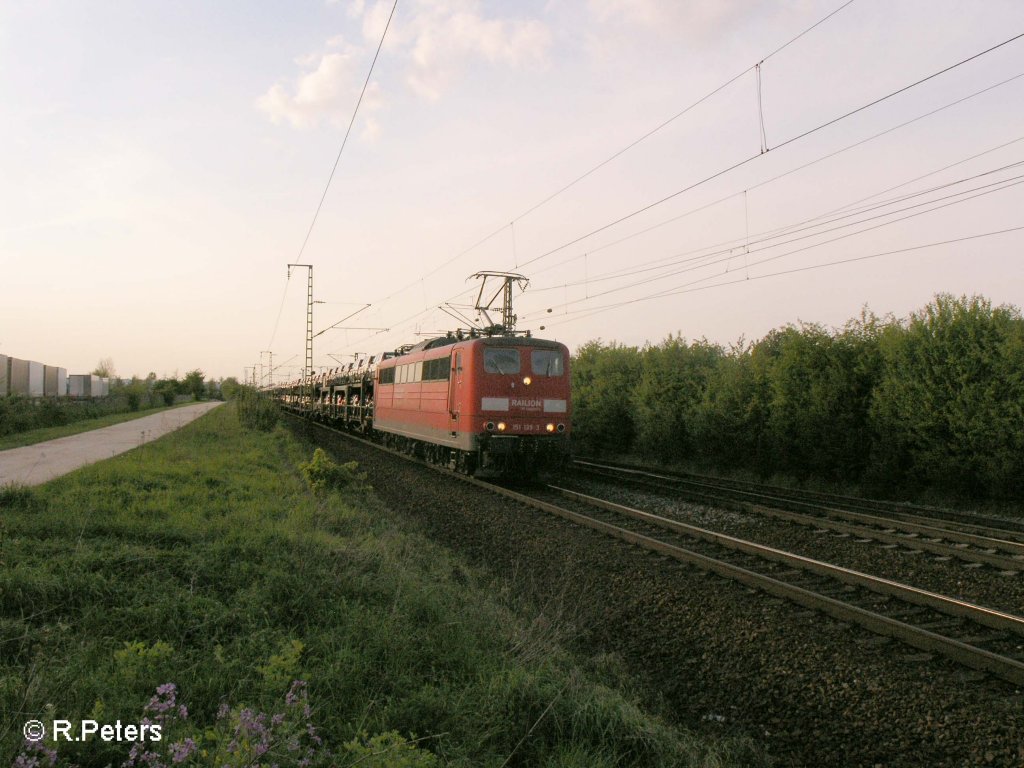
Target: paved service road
{"type": "Point", "coordinates": [35, 464]}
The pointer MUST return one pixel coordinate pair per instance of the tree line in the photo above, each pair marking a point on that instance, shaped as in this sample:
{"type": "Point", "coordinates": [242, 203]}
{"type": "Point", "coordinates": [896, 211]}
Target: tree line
{"type": "Point", "coordinates": [20, 414]}
{"type": "Point", "coordinates": [932, 402]}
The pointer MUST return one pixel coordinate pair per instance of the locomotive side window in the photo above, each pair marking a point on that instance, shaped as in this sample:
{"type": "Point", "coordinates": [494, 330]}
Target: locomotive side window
{"type": "Point", "coordinates": [387, 375]}
{"type": "Point", "coordinates": [417, 372]}
{"type": "Point", "coordinates": [498, 360]}
{"type": "Point", "coordinates": [437, 369]}
{"type": "Point", "coordinates": [547, 362]}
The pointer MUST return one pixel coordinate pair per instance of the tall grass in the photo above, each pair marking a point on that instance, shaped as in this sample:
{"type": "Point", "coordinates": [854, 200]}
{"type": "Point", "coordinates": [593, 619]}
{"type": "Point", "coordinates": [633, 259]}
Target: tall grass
{"type": "Point", "coordinates": [205, 560]}
{"type": "Point", "coordinates": [256, 410]}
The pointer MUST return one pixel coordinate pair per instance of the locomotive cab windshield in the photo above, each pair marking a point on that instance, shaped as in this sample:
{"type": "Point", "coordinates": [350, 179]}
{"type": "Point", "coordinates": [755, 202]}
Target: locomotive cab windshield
{"type": "Point", "coordinates": [547, 362]}
{"type": "Point", "coordinates": [503, 360]}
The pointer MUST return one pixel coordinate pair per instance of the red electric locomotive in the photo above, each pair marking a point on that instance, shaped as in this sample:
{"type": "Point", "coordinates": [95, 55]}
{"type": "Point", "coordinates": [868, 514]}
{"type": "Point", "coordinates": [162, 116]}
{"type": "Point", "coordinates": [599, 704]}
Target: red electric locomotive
{"type": "Point", "coordinates": [489, 405]}
{"type": "Point", "coordinates": [490, 402]}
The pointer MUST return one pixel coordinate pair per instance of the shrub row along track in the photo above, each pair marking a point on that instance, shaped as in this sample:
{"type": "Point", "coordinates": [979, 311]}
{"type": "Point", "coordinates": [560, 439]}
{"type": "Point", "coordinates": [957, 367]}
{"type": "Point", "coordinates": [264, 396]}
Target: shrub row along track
{"type": "Point", "coordinates": [996, 543]}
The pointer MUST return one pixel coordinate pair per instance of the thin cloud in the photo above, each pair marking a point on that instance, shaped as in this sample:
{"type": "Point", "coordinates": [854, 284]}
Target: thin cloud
{"type": "Point", "coordinates": [323, 92]}
{"type": "Point", "coordinates": [436, 43]}
{"type": "Point", "coordinates": [446, 38]}
{"type": "Point", "coordinates": [696, 20]}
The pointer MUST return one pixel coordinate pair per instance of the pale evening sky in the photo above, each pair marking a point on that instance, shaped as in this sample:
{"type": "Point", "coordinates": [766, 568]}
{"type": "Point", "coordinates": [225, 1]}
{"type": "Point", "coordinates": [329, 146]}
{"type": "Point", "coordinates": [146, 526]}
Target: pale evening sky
{"type": "Point", "coordinates": [162, 162]}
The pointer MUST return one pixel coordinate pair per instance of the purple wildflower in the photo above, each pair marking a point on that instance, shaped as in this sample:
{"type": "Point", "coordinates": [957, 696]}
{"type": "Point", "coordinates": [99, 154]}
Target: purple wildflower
{"type": "Point", "coordinates": [139, 756]}
{"type": "Point", "coordinates": [35, 754]}
{"type": "Point", "coordinates": [297, 691]}
{"type": "Point", "coordinates": [163, 702]}
{"type": "Point", "coordinates": [253, 725]}
{"type": "Point", "coordinates": [180, 751]}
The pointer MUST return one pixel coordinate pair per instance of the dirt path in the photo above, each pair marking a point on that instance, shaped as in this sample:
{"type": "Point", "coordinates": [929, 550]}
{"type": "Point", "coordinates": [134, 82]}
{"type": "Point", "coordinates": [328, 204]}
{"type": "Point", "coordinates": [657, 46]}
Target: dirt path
{"type": "Point", "coordinates": [36, 464]}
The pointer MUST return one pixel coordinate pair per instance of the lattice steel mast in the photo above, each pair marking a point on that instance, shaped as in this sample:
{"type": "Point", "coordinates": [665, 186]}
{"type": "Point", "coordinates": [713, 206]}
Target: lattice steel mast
{"type": "Point", "coordinates": [307, 370]}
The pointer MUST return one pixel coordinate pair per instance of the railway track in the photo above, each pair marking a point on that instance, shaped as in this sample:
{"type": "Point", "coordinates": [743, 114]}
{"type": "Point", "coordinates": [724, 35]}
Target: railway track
{"type": "Point", "coordinates": [968, 521]}
{"type": "Point", "coordinates": [971, 543]}
{"type": "Point", "coordinates": [974, 636]}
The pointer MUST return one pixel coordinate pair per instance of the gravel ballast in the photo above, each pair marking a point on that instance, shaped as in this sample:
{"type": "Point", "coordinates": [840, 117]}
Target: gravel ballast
{"type": "Point", "coordinates": [716, 655]}
{"type": "Point", "coordinates": [984, 585]}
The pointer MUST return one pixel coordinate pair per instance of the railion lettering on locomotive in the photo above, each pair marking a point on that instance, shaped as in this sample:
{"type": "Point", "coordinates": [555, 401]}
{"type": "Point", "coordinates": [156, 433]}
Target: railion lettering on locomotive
{"type": "Point", "coordinates": [531, 404]}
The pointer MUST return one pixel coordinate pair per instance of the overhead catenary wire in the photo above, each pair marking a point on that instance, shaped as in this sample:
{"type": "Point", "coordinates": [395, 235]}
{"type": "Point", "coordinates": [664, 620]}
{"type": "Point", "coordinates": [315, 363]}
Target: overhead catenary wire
{"type": "Point", "coordinates": [596, 249]}
{"type": "Point", "coordinates": [280, 309]}
{"type": "Point", "coordinates": [586, 311]}
{"type": "Point", "coordinates": [678, 115]}
{"type": "Point", "coordinates": [617, 154]}
{"type": "Point", "coordinates": [348, 131]}
{"type": "Point", "coordinates": [673, 290]}
{"type": "Point", "coordinates": [781, 144]}
{"type": "Point", "coordinates": [681, 290]}
{"type": "Point", "coordinates": [428, 309]}
{"type": "Point", "coordinates": [801, 226]}
{"type": "Point", "coordinates": [1005, 184]}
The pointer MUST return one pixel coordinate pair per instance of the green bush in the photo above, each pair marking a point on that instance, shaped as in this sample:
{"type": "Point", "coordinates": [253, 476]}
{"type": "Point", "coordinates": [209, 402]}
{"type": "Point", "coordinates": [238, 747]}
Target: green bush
{"type": "Point", "coordinates": [324, 474]}
{"type": "Point", "coordinates": [948, 408]}
{"type": "Point", "coordinates": [604, 379]}
{"type": "Point", "coordinates": [667, 401]}
{"type": "Point", "coordinates": [387, 750]}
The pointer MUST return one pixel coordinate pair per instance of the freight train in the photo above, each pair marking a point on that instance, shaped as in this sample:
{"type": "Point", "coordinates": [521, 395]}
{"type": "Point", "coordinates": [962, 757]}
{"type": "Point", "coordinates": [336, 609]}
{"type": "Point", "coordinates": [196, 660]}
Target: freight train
{"type": "Point", "coordinates": [485, 405]}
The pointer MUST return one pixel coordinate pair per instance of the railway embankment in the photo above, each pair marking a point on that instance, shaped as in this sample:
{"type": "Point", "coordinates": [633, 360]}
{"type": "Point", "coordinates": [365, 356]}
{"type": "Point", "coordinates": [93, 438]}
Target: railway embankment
{"type": "Point", "coordinates": [711, 654]}
{"type": "Point", "coordinates": [206, 570]}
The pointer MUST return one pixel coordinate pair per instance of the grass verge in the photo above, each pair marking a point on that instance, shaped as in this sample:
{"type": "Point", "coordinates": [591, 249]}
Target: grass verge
{"type": "Point", "coordinates": [34, 436]}
{"type": "Point", "coordinates": [205, 567]}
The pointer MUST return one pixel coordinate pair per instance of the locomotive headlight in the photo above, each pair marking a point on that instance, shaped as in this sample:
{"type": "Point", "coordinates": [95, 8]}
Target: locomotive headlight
{"type": "Point", "coordinates": [551, 427]}
{"type": "Point", "coordinates": [527, 380]}
{"type": "Point", "coordinates": [561, 427]}
{"type": "Point", "coordinates": [501, 426]}
{"type": "Point", "coordinates": [489, 426]}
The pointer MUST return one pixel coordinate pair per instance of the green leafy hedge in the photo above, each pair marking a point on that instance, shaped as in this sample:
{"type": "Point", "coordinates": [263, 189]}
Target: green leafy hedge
{"type": "Point", "coordinates": [931, 402]}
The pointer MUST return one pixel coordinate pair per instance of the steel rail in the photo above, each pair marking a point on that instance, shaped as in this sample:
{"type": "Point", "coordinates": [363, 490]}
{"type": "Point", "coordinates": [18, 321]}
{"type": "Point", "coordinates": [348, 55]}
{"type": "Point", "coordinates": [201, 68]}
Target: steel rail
{"type": "Point", "coordinates": [960, 652]}
{"type": "Point", "coordinates": [964, 521]}
{"type": "Point", "coordinates": [948, 605]}
{"type": "Point", "coordinates": [1013, 560]}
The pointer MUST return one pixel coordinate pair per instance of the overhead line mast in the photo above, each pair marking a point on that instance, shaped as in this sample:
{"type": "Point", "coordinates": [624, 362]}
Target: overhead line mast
{"type": "Point", "coordinates": [307, 370]}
